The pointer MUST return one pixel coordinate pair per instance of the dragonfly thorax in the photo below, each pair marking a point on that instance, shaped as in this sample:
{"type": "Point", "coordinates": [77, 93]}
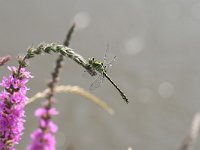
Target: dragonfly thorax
{"type": "Point", "coordinates": [97, 65]}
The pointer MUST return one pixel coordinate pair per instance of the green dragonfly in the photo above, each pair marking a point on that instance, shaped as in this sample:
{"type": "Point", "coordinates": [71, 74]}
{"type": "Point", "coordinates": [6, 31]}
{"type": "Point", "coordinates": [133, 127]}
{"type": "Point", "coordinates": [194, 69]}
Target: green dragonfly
{"type": "Point", "coordinates": [103, 68]}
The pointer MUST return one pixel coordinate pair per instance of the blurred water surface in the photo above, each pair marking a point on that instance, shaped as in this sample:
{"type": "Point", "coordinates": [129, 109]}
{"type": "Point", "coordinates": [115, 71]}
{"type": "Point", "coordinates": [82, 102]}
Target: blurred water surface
{"type": "Point", "coordinates": [157, 47]}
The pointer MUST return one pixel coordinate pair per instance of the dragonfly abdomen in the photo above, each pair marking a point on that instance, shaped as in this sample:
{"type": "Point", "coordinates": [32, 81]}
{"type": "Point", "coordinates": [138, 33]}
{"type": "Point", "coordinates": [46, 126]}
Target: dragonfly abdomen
{"type": "Point", "coordinates": [121, 93]}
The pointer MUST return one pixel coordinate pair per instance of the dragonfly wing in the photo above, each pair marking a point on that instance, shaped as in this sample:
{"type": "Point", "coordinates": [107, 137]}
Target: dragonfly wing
{"type": "Point", "coordinates": [105, 58]}
{"type": "Point", "coordinates": [110, 64]}
{"type": "Point", "coordinates": [108, 60]}
{"type": "Point", "coordinates": [86, 75]}
{"type": "Point", "coordinates": [97, 82]}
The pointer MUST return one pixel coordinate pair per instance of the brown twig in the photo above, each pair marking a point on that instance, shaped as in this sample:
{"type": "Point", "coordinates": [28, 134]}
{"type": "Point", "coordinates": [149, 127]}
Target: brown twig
{"type": "Point", "coordinates": [4, 59]}
{"type": "Point", "coordinates": [55, 73]}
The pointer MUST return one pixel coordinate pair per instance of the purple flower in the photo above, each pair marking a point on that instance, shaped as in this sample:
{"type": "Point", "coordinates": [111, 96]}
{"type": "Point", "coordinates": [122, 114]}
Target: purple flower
{"type": "Point", "coordinates": [43, 137]}
{"type": "Point", "coordinates": [4, 95]}
{"type": "Point", "coordinates": [7, 82]}
{"type": "Point", "coordinates": [42, 112]}
{"type": "Point", "coordinates": [12, 103]}
{"type": "Point", "coordinates": [42, 141]}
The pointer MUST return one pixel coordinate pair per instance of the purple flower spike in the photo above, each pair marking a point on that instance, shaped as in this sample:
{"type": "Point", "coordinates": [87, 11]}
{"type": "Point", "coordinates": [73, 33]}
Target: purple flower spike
{"type": "Point", "coordinates": [43, 137]}
{"type": "Point", "coordinates": [12, 103]}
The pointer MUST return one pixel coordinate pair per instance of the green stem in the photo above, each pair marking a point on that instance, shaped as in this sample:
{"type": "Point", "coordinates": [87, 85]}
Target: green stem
{"type": "Point", "coordinates": [63, 50]}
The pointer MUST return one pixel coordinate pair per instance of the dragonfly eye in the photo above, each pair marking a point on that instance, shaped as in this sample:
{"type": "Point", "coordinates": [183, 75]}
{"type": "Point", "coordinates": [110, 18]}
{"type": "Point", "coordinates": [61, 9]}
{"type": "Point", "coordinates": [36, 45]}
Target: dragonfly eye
{"type": "Point", "coordinates": [90, 60]}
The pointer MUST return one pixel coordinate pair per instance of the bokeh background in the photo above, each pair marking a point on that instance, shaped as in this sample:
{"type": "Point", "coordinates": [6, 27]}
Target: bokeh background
{"type": "Point", "coordinates": [157, 46]}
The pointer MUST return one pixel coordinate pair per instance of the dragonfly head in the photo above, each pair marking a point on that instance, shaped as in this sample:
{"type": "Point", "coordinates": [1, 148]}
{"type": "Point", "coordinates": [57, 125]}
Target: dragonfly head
{"type": "Point", "coordinates": [91, 61]}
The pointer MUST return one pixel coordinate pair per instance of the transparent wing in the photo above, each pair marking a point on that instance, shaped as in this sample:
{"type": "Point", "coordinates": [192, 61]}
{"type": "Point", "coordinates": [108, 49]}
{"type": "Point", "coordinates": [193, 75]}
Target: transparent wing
{"type": "Point", "coordinates": [105, 58]}
{"type": "Point", "coordinates": [86, 75]}
{"type": "Point", "coordinates": [97, 82]}
{"type": "Point", "coordinates": [108, 60]}
{"type": "Point", "coordinates": [109, 64]}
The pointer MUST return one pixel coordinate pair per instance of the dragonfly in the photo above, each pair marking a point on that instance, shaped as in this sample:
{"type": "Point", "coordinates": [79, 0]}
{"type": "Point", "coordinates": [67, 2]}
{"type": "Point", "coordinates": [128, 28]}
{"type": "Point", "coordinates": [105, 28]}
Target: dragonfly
{"type": "Point", "coordinates": [103, 68]}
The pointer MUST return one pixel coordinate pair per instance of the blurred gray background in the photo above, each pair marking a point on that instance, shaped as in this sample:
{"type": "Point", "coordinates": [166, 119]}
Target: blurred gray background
{"type": "Point", "coordinates": [157, 46]}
